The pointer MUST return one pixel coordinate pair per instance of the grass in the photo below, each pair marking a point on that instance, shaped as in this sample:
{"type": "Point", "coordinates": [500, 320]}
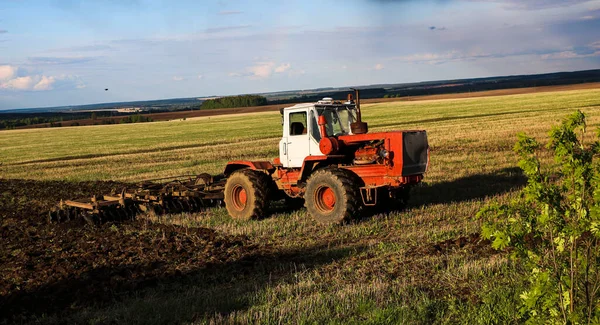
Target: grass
{"type": "Point", "coordinates": [383, 269]}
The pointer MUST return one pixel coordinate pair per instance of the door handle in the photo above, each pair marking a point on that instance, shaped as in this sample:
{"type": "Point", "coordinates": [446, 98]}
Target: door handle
{"type": "Point", "coordinates": [285, 148]}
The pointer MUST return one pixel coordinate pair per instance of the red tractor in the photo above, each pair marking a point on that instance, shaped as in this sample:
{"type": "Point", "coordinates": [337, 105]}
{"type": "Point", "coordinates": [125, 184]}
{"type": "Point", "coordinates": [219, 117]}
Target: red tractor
{"type": "Point", "coordinates": [328, 158]}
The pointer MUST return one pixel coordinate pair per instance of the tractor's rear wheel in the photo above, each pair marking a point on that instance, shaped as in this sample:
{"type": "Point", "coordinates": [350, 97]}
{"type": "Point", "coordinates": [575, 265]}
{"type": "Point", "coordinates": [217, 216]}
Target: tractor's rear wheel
{"type": "Point", "coordinates": [247, 194]}
{"type": "Point", "coordinates": [332, 196]}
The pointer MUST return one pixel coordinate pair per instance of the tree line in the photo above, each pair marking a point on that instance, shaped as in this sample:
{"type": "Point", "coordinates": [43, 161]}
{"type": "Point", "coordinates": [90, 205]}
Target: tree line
{"type": "Point", "coordinates": [14, 123]}
{"type": "Point", "coordinates": [234, 101]}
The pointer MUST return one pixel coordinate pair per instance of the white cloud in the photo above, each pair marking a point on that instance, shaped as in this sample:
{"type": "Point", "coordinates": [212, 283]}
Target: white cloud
{"type": "Point", "coordinates": [298, 72]}
{"type": "Point", "coordinates": [226, 28]}
{"type": "Point", "coordinates": [560, 55]}
{"type": "Point", "coordinates": [590, 50]}
{"type": "Point", "coordinates": [177, 78]}
{"type": "Point", "coordinates": [200, 76]}
{"type": "Point", "coordinates": [439, 58]}
{"type": "Point", "coordinates": [535, 4]}
{"type": "Point", "coordinates": [19, 83]}
{"type": "Point", "coordinates": [230, 12]}
{"type": "Point", "coordinates": [283, 68]}
{"type": "Point", "coordinates": [264, 70]}
{"type": "Point", "coordinates": [45, 83]}
{"type": "Point", "coordinates": [55, 60]}
{"type": "Point", "coordinates": [569, 55]}
{"type": "Point", "coordinates": [7, 72]}
{"type": "Point", "coordinates": [17, 79]}
{"type": "Point", "coordinates": [261, 70]}
{"type": "Point", "coordinates": [70, 81]}
{"type": "Point", "coordinates": [378, 66]}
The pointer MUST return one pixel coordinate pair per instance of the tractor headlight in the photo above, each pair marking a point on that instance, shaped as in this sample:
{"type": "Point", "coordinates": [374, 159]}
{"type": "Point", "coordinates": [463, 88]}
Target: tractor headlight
{"type": "Point", "coordinates": [384, 153]}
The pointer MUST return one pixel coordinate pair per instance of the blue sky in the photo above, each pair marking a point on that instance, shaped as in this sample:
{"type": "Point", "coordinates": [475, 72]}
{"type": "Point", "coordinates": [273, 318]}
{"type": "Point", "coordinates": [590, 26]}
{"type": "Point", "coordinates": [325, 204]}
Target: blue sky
{"type": "Point", "coordinates": [66, 52]}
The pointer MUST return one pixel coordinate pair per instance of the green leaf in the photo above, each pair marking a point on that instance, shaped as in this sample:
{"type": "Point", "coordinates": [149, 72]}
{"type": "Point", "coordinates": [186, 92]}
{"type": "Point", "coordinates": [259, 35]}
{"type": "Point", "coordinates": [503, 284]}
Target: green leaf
{"type": "Point", "coordinates": [501, 240]}
{"type": "Point", "coordinates": [487, 231]}
{"type": "Point", "coordinates": [560, 244]}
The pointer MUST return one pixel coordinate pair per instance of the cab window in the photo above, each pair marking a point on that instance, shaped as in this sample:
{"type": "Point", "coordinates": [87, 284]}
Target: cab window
{"type": "Point", "coordinates": [314, 127]}
{"type": "Point", "coordinates": [298, 123]}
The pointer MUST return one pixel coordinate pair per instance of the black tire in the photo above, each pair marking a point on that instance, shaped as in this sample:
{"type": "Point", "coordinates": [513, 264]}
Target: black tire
{"type": "Point", "coordinates": [247, 194]}
{"type": "Point", "coordinates": [335, 184]}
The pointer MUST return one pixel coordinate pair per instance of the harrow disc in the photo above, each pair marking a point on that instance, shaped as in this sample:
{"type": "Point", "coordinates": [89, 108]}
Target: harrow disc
{"type": "Point", "coordinates": [90, 218]}
{"type": "Point", "coordinates": [189, 194]}
{"type": "Point", "coordinates": [158, 209]}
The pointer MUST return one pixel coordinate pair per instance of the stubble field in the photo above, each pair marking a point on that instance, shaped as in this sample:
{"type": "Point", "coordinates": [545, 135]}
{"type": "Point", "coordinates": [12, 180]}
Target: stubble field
{"type": "Point", "coordinates": [422, 265]}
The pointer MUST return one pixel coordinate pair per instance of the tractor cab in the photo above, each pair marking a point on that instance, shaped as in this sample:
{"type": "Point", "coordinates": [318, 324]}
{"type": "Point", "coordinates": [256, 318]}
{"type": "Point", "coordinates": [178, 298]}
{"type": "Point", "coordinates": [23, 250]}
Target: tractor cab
{"type": "Point", "coordinates": [301, 132]}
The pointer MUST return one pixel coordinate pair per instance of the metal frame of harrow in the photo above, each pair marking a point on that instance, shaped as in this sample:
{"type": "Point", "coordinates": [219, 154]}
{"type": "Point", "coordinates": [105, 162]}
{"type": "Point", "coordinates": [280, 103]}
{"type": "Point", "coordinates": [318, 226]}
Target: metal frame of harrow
{"type": "Point", "coordinates": [174, 196]}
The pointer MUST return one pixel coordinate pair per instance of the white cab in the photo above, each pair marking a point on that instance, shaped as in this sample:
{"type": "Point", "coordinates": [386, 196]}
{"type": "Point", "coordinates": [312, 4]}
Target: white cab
{"type": "Point", "coordinates": [300, 135]}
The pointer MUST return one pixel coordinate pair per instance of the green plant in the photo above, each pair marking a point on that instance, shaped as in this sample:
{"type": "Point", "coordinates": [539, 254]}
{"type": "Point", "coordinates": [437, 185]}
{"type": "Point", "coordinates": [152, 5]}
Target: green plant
{"type": "Point", "coordinates": [552, 229]}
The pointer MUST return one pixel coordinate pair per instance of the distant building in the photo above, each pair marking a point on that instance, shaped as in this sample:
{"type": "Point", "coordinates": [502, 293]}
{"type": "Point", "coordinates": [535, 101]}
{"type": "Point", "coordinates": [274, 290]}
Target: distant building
{"type": "Point", "coordinates": [130, 110]}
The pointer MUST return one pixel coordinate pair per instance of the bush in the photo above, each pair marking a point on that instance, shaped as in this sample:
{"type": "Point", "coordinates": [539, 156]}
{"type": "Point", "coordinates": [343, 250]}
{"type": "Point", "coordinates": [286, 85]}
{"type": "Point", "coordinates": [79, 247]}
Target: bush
{"type": "Point", "coordinates": [552, 229]}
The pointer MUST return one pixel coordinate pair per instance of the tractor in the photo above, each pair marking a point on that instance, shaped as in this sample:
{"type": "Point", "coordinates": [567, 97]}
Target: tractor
{"type": "Point", "coordinates": [328, 158]}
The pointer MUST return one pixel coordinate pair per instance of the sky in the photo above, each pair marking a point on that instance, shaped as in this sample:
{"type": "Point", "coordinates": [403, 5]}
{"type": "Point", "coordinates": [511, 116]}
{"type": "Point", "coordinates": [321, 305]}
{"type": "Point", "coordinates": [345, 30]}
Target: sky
{"type": "Point", "coordinates": [67, 52]}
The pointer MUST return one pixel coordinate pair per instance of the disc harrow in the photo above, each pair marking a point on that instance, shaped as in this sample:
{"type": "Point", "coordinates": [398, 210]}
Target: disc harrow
{"type": "Point", "coordinates": [186, 193]}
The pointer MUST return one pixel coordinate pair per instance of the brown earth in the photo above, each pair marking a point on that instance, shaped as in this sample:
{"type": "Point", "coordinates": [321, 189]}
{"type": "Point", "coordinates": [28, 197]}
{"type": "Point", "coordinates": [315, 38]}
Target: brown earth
{"type": "Point", "coordinates": [46, 268]}
{"type": "Point", "coordinates": [167, 116]}
{"type": "Point", "coordinates": [273, 108]}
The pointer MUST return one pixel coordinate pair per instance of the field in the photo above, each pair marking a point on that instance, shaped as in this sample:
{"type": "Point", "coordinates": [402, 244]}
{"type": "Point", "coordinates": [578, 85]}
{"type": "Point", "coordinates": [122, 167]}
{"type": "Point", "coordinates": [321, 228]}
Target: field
{"type": "Point", "coordinates": [167, 116]}
{"type": "Point", "coordinates": [425, 264]}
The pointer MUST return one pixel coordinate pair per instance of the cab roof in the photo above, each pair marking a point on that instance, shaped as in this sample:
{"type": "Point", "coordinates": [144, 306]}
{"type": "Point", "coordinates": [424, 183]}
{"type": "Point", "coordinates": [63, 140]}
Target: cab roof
{"type": "Point", "coordinates": [324, 103]}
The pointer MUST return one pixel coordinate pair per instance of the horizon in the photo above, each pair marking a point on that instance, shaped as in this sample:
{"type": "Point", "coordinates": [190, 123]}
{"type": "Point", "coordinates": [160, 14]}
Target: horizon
{"type": "Point", "coordinates": [140, 49]}
{"type": "Point", "coordinates": [279, 91]}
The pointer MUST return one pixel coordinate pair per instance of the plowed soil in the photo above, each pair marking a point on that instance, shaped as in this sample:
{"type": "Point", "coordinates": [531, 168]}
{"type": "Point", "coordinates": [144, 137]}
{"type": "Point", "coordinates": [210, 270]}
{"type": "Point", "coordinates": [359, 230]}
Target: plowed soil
{"type": "Point", "coordinates": [45, 268]}
{"type": "Point", "coordinates": [48, 268]}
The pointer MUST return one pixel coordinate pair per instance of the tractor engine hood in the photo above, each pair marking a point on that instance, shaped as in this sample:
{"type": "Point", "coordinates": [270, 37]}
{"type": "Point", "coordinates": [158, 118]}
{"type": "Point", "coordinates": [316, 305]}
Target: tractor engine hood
{"type": "Point", "coordinates": [408, 148]}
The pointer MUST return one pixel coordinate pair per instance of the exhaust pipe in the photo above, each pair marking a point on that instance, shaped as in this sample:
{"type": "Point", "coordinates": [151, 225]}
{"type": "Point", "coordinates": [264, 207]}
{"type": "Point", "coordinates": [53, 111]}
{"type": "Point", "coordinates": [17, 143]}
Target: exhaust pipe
{"type": "Point", "coordinates": [358, 127]}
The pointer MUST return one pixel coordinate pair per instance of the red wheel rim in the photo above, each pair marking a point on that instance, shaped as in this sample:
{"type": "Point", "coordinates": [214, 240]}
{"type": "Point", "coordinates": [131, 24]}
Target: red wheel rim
{"type": "Point", "coordinates": [325, 199]}
{"type": "Point", "coordinates": [239, 197]}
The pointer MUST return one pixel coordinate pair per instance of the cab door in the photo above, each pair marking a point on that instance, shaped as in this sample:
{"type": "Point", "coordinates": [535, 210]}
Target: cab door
{"type": "Point", "coordinates": [315, 134]}
{"type": "Point", "coordinates": [295, 145]}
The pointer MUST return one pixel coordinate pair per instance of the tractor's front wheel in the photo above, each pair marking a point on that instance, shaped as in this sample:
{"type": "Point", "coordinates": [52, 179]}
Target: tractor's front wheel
{"type": "Point", "coordinates": [247, 194]}
{"type": "Point", "coordinates": [332, 196]}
